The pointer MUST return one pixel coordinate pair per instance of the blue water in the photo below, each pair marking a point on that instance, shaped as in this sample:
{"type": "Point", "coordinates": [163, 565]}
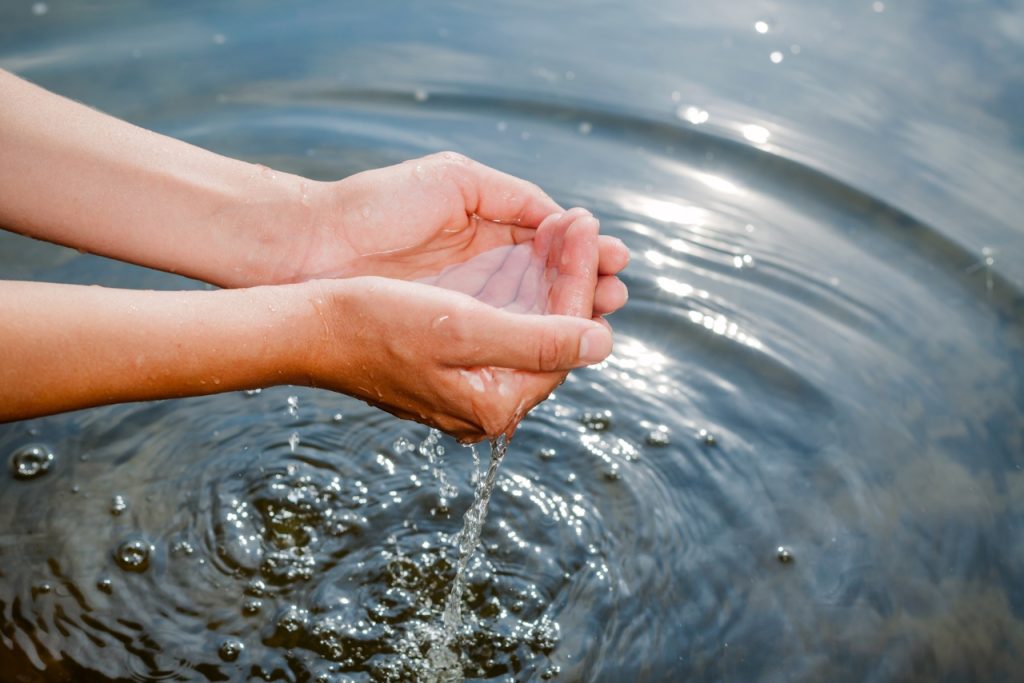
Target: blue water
{"type": "Point", "coordinates": [823, 351]}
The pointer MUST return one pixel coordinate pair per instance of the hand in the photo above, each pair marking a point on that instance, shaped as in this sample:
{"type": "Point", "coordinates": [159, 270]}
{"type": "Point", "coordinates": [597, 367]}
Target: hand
{"type": "Point", "coordinates": [413, 220]}
{"type": "Point", "coordinates": [470, 368]}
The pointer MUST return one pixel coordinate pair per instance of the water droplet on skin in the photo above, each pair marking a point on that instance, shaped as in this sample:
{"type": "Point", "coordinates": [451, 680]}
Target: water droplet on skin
{"type": "Point", "coordinates": [230, 649]}
{"type": "Point", "coordinates": [29, 462]}
{"type": "Point", "coordinates": [133, 555]}
{"type": "Point", "coordinates": [118, 505]}
{"type": "Point", "coordinates": [707, 437]}
{"type": "Point", "coordinates": [784, 554]}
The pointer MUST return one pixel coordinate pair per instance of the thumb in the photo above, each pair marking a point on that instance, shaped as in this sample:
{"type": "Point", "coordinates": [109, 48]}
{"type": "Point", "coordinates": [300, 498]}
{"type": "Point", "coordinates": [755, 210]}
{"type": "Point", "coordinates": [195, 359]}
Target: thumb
{"type": "Point", "coordinates": [539, 343]}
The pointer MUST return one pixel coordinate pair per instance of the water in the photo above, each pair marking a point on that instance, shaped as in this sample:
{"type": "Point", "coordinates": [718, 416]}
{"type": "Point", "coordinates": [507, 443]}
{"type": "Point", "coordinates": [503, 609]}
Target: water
{"type": "Point", "coordinates": [821, 359]}
{"type": "Point", "coordinates": [443, 652]}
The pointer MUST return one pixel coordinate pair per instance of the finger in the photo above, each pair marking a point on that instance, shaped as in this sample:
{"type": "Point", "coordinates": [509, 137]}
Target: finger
{"type": "Point", "coordinates": [572, 292]}
{"type": "Point", "coordinates": [611, 295]}
{"type": "Point", "coordinates": [613, 255]}
{"type": "Point", "coordinates": [501, 197]}
{"type": "Point", "coordinates": [505, 282]}
{"type": "Point", "coordinates": [538, 343]}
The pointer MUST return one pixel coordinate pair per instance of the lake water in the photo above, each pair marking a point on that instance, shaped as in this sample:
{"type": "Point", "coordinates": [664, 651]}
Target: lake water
{"type": "Point", "coordinates": [804, 461]}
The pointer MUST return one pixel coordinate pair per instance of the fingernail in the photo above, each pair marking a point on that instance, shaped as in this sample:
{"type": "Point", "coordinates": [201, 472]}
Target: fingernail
{"type": "Point", "coordinates": [595, 345]}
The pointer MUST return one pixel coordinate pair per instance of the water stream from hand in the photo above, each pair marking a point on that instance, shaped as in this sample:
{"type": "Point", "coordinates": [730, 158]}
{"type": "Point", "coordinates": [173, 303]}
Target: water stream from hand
{"type": "Point", "coordinates": [443, 657]}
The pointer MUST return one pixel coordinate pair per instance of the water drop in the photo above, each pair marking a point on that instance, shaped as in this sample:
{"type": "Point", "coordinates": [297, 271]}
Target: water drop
{"type": "Point", "coordinates": [337, 417]}
{"type": "Point", "coordinates": [784, 554]}
{"type": "Point", "coordinates": [252, 392]}
{"type": "Point", "coordinates": [133, 555]}
{"type": "Point", "coordinates": [118, 505]}
{"type": "Point", "coordinates": [29, 462]}
{"type": "Point", "coordinates": [230, 649]}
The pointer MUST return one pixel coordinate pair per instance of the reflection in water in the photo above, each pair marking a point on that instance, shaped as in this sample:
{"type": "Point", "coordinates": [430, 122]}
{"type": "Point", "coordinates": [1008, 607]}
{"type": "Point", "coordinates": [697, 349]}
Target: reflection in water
{"type": "Point", "coordinates": [802, 461]}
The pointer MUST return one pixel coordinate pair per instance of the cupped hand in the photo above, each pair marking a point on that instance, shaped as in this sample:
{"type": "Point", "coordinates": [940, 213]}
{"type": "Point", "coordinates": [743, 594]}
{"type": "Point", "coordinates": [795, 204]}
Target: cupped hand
{"type": "Point", "coordinates": [473, 349]}
{"type": "Point", "coordinates": [415, 219]}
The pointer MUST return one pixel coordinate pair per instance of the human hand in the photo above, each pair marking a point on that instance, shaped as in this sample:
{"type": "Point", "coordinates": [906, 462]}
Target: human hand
{"type": "Point", "coordinates": [412, 220]}
{"type": "Point", "coordinates": [472, 367]}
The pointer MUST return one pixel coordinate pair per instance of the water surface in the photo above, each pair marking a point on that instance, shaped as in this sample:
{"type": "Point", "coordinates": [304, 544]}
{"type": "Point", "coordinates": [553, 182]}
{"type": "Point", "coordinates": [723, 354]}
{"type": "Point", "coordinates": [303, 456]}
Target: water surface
{"type": "Point", "coordinates": [823, 352]}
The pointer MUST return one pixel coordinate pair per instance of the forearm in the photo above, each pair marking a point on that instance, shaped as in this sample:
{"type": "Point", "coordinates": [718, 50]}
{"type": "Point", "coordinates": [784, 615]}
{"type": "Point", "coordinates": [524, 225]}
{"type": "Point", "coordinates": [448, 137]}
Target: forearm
{"type": "Point", "coordinates": [64, 347]}
{"type": "Point", "coordinates": [75, 176]}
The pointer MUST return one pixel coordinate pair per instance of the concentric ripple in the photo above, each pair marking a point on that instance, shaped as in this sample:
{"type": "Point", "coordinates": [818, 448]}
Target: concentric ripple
{"type": "Point", "coordinates": [802, 461]}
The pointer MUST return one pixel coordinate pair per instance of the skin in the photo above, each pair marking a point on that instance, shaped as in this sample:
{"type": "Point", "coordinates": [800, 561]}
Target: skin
{"type": "Point", "coordinates": [361, 285]}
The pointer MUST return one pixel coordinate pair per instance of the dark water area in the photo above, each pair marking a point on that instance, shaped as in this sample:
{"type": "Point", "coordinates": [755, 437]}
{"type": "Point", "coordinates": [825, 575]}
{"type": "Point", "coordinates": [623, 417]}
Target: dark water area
{"type": "Point", "coordinates": [803, 462]}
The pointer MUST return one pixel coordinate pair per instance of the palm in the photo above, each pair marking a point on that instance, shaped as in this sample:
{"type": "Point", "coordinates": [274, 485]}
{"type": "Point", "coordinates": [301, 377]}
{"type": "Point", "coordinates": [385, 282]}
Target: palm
{"type": "Point", "coordinates": [417, 218]}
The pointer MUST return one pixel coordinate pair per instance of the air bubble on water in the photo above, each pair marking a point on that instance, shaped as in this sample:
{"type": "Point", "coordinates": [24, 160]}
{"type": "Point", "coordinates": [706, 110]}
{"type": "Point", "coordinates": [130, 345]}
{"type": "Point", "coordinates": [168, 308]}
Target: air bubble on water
{"type": "Point", "coordinates": [118, 505]}
{"type": "Point", "coordinates": [133, 555]}
{"type": "Point", "coordinates": [40, 8]}
{"type": "Point", "coordinates": [658, 436]}
{"type": "Point", "coordinates": [230, 649]}
{"type": "Point", "coordinates": [29, 462]}
{"type": "Point", "coordinates": [251, 606]}
{"type": "Point", "coordinates": [597, 421]}
{"type": "Point", "coordinates": [293, 441]}
{"type": "Point", "coordinates": [784, 554]}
